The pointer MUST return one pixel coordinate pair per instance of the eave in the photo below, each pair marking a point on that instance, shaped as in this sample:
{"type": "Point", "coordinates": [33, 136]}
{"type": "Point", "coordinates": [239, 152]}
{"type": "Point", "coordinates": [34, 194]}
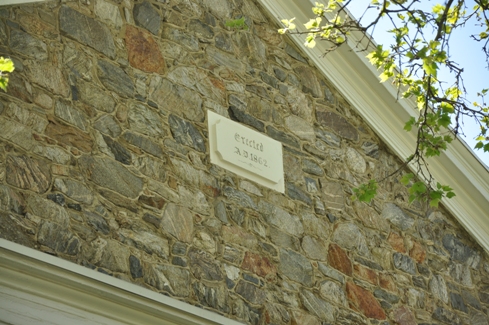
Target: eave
{"type": "Point", "coordinates": [352, 74]}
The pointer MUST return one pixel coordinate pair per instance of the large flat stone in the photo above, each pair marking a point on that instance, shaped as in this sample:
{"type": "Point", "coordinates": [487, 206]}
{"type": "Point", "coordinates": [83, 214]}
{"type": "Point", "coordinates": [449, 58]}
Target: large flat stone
{"type": "Point", "coordinates": [338, 124]}
{"type": "Point", "coordinates": [296, 267]}
{"type": "Point", "coordinates": [115, 79]}
{"type": "Point", "coordinates": [143, 52]}
{"type": "Point", "coordinates": [364, 301]}
{"type": "Point", "coordinates": [28, 173]}
{"type": "Point", "coordinates": [69, 135]}
{"type": "Point", "coordinates": [86, 30]}
{"type": "Point", "coordinates": [178, 221]}
{"type": "Point", "coordinates": [108, 173]}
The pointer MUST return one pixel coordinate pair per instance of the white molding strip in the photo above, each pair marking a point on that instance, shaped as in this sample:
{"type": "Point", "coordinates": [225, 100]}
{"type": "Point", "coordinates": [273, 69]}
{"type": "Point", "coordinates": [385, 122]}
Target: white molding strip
{"type": "Point", "coordinates": [357, 80]}
{"type": "Point", "coordinates": [18, 2]}
{"type": "Point", "coordinates": [57, 288]}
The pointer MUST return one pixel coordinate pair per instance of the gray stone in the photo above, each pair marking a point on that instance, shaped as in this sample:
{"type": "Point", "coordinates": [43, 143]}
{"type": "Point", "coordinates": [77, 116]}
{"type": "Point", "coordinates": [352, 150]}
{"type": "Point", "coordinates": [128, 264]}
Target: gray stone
{"type": "Point", "coordinates": [178, 221]}
{"type": "Point", "coordinates": [48, 210]}
{"type": "Point", "coordinates": [296, 267]}
{"type": "Point", "coordinates": [317, 306]}
{"type": "Point", "coordinates": [143, 143]}
{"type": "Point", "coordinates": [11, 201]}
{"type": "Point", "coordinates": [175, 98]}
{"type": "Point", "coordinates": [298, 102]}
{"type": "Point", "coordinates": [280, 74]}
{"type": "Point", "coordinates": [28, 173]}
{"type": "Point", "coordinates": [16, 133]}
{"type": "Point", "coordinates": [146, 16]}
{"type": "Point", "coordinates": [272, 81]}
{"type": "Point", "coordinates": [58, 238]}
{"type": "Point", "coordinates": [371, 149]}
{"type": "Point", "coordinates": [110, 174]}
{"type": "Point", "coordinates": [309, 81]}
{"type": "Point", "coordinates": [446, 316]}
{"type": "Point", "coordinates": [212, 296]}
{"type": "Point", "coordinates": [108, 125]}
{"type": "Point", "coordinates": [204, 266]}
{"type": "Point", "coordinates": [95, 97]}
{"type": "Point", "coordinates": [258, 90]}
{"type": "Point", "coordinates": [108, 12]}
{"type": "Point", "coordinates": [389, 297]}
{"type": "Point", "coordinates": [247, 119]}
{"type": "Point", "coordinates": [251, 292]}
{"type": "Point", "coordinates": [146, 241]}
{"type": "Point", "coordinates": [404, 263]}
{"type": "Point", "coordinates": [152, 167]}
{"type": "Point", "coordinates": [115, 79]}
{"type": "Point", "coordinates": [328, 137]}
{"type": "Point", "coordinates": [224, 59]}
{"type": "Point", "coordinates": [355, 161]}
{"type": "Point", "coordinates": [200, 29]}
{"type": "Point", "coordinates": [86, 30]}
{"type": "Point", "coordinates": [57, 198]}
{"type": "Point", "coordinates": [458, 302]}
{"type": "Point", "coordinates": [97, 221]}
{"type": "Point", "coordinates": [314, 248]}
{"type": "Point", "coordinates": [471, 300]}
{"type": "Point", "coordinates": [49, 77]}
{"type": "Point", "coordinates": [135, 267]}
{"type": "Point", "coordinates": [438, 288]}
{"type": "Point", "coordinates": [460, 252]}
{"type": "Point", "coordinates": [185, 133]}
{"type": "Point", "coordinates": [332, 291]}
{"type": "Point", "coordinates": [300, 127]}
{"type": "Point", "coordinates": [120, 153]}
{"type": "Point", "coordinates": [27, 45]}
{"type": "Point", "coordinates": [74, 190]}
{"type": "Point", "coordinates": [239, 197]}
{"type": "Point", "coordinates": [219, 8]}
{"type": "Point", "coordinates": [296, 193]}
{"type": "Point", "coordinates": [65, 111]}
{"type": "Point", "coordinates": [172, 279]}
{"type": "Point", "coordinates": [194, 200]}
{"type": "Point", "coordinates": [478, 318]}
{"type": "Point", "coordinates": [333, 195]}
{"type": "Point", "coordinates": [12, 230]}
{"type": "Point", "coordinates": [348, 236]}
{"type": "Point", "coordinates": [397, 216]}
{"type": "Point", "coordinates": [281, 219]}
{"type": "Point", "coordinates": [283, 239]}
{"type": "Point", "coordinates": [293, 53]}
{"type": "Point", "coordinates": [310, 166]}
{"type": "Point", "coordinates": [181, 37]}
{"type": "Point", "coordinates": [311, 185]}
{"type": "Point", "coordinates": [26, 116]}
{"type": "Point", "coordinates": [461, 274]}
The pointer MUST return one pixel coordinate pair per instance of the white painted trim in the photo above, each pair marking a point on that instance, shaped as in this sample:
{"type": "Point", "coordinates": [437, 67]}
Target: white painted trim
{"type": "Point", "coordinates": [18, 2]}
{"type": "Point", "coordinates": [57, 284]}
{"type": "Point", "coordinates": [357, 80]}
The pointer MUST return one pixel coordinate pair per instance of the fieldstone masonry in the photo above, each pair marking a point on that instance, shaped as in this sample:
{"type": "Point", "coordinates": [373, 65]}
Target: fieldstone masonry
{"type": "Point", "coordinates": [104, 162]}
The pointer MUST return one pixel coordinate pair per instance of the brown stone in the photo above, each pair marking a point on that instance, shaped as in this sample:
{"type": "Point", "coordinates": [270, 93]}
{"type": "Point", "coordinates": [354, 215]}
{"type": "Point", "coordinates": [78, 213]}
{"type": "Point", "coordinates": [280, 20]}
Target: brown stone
{"type": "Point", "coordinates": [302, 318]}
{"type": "Point", "coordinates": [365, 273]}
{"type": "Point", "coordinates": [404, 316]}
{"type": "Point", "coordinates": [152, 201]}
{"type": "Point", "coordinates": [338, 259]}
{"type": "Point", "coordinates": [338, 124]}
{"type": "Point", "coordinates": [238, 235]}
{"type": "Point", "coordinates": [417, 252]}
{"type": "Point", "coordinates": [69, 136]}
{"type": "Point", "coordinates": [259, 265]}
{"type": "Point", "coordinates": [397, 242]}
{"type": "Point", "coordinates": [364, 301]}
{"type": "Point", "coordinates": [143, 51]}
{"type": "Point", "coordinates": [28, 173]}
{"type": "Point", "coordinates": [386, 282]}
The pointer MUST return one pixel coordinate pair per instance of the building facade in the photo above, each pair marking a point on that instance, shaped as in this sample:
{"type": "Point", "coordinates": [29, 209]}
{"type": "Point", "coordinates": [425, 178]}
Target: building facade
{"type": "Point", "coordinates": [105, 163]}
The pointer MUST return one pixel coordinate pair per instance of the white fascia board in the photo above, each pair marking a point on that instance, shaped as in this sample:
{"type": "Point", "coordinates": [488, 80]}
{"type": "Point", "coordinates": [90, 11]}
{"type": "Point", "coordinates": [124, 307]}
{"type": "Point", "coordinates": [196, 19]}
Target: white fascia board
{"type": "Point", "coordinates": [18, 2]}
{"type": "Point", "coordinates": [357, 80]}
{"type": "Point", "coordinates": [57, 284]}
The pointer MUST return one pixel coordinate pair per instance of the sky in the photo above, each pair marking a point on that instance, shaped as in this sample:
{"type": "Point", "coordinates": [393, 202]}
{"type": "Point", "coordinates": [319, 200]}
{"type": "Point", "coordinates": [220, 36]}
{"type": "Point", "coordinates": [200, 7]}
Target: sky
{"type": "Point", "coordinates": [463, 50]}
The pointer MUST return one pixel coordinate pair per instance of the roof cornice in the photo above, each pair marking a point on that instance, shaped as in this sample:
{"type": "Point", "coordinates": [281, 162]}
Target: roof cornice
{"type": "Point", "coordinates": [356, 79]}
{"type": "Point", "coordinates": [18, 2]}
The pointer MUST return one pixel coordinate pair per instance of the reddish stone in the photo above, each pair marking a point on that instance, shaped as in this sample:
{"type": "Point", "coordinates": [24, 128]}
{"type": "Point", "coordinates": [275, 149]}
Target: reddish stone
{"type": "Point", "coordinates": [397, 242]}
{"type": "Point", "coordinates": [365, 273]}
{"type": "Point", "coordinates": [338, 259]}
{"type": "Point", "coordinates": [404, 316]}
{"type": "Point", "coordinates": [143, 51]}
{"type": "Point", "coordinates": [418, 253]}
{"type": "Point", "coordinates": [364, 301]}
{"type": "Point", "coordinates": [338, 124]}
{"type": "Point", "coordinates": [387, 283]}
{"type": "Point", "coordinates": [259, 265]}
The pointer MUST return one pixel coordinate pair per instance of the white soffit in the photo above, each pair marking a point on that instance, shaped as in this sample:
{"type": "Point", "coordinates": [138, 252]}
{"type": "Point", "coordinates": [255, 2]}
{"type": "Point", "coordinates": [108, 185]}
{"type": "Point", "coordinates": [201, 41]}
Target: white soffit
{"type": "Point", "coordinates": [18, 2]}
{"type": "Point", "coordinates": [357, 80]}
{"type": "Point", "coordinates": [37, 288]}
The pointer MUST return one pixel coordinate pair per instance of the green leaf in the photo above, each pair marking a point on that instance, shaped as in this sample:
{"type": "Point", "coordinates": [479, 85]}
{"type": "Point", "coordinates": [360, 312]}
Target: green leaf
{"type": "Point", "coordinates": [6, 65]}
{"type": "Point", "coordinates": [406, 178]}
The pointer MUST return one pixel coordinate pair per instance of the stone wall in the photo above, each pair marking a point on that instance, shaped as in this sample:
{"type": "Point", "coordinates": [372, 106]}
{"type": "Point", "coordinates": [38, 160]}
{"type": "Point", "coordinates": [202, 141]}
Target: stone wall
{"type": "Point", "coordinates": [105, 162]}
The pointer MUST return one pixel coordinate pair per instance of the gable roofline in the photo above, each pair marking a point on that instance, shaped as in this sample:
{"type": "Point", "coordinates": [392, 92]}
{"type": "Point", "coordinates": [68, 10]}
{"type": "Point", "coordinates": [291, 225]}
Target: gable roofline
{"type": "Point", "coordinates": [18, 2]}
{"type": "Point", "coordinates": [356, 79]}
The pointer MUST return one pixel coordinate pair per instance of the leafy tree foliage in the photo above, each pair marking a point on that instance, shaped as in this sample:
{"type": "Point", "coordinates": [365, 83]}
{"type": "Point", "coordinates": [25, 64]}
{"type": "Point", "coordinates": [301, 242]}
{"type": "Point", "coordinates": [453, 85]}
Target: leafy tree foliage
{"type": "Point", "coordinates": [6, 66]}
{"type": "Point", "coordinates": [420, 50]}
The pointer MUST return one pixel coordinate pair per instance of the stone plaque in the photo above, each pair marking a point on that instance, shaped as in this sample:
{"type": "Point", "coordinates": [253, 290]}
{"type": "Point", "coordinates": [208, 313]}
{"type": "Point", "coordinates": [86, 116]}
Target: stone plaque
{"type": "Point", "coordinates": [245, 152]}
